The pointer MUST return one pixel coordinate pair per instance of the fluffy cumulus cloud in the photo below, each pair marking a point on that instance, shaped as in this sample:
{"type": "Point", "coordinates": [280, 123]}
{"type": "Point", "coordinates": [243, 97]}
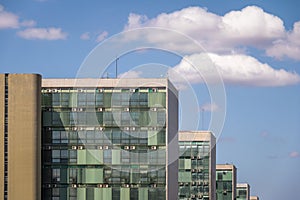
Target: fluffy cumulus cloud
{"type": "Point", "coordinates": [8, 19]}
{"type": "Point", "coordinates": [233, 69]}
{"type": "Point", "coordinates": [250, 26]}
{"type": "Point", "coordinates": [236, 30]}
{"type": "Point", "coordinates": [225, 38]}
{"type": "Point", "coordinates": [287, 47]}
{"type": "Point", "coordinates": [43, 34]}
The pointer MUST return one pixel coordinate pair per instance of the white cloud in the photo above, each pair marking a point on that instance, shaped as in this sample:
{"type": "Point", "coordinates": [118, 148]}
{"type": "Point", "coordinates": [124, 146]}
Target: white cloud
{"type": "Point", "coordinates": [102, 36]}
{"type": "Point", "coordinates": [85, 36]}
{"type": "Point", "coordinates": [43, 34]}
{"type": "Point", "coordinates": [131, 74]}
{"type": "Point", "coordinates": [7, 19]}
{"type": "Point", "coordinates": [250, 26]}
{"type": "Point", "coordinates": [294, 154]}
{"type": "Point", "coordinates": [209, 107]}
{"type": "Point", "coordinates": [11, 20]}
{"type": "Point", "coordinates": [287, 47]}
{"type": "Point", "coordinates": [28, 23]}
{"type": "Point", "coordinates": [234, 69]}
{"type": "Point", "coordinates": [227, 39]}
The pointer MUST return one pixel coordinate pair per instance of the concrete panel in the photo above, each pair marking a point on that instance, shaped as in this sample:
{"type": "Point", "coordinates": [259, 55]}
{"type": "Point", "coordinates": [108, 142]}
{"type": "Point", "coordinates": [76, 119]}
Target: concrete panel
{"type": "Point", "coordinates": [24, 119]}
{"type": "Point", "coordinates": [110, 82]}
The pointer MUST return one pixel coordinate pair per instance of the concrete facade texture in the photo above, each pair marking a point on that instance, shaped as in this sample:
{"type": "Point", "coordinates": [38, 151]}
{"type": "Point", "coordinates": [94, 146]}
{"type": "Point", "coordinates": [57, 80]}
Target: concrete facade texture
{"type": "Point", "coordinates": [24, 128]}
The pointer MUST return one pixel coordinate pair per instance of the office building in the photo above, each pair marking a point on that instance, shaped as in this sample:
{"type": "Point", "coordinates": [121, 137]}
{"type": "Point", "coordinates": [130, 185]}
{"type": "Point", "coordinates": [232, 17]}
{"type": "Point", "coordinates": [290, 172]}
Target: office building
{"type": "Point", "coordinates": [197, 165]}
{"type": "Point", "coordinates": [109, 139]}
{"type": "Point", "coordinates": [254, 198]}
{"type": "Point", "coordinates": [20, 128]}
{"type": "Point", "coordinates": [243, 191]}
{"type": "Point", "coordinates": [104, 139]}
{"type": "Point", "coordinates": [226, 182]}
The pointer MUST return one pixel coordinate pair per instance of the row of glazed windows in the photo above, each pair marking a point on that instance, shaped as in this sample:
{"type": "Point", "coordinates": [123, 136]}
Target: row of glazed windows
{"type": "Point", "coordinates": [224, 176]}
{"type": "Point", "coordinates": [94, 176]}
{"type": "Point", "coordinates": [188, 177]}
{"type": "Point", "coordinates": [107, 137]}
{"type": "Point", "coordinates": [187, 164]}
{"type": "Point", "coordinates": [75, 99]}
{"type": "Point", "coordinates": [241, 194]}
{"type": "Point", "coordinates": [105, 157]}
{"type": "Point", "coordinates": [158, 193]}
{"type": "Point", "coordinates": [107, 118]}
{"type": "Point", "coordinates": [194, 151]}
{"type": "Point", "coordinates": [187, 191]}
{"type": "Point", "coordinates": [224, 195]}
{"type": "Point", "coordinates": [224, 185]}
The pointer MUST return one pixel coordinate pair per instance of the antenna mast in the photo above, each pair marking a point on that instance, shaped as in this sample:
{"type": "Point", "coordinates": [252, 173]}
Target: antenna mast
{"type": "Point", "coordinates": [117, 66]}
{"type": "Point", "coordinates": [202, 116]}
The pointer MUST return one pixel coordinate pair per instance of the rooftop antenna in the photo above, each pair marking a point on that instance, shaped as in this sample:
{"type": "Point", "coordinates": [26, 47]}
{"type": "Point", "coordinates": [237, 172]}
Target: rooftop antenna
{"type": "Point", "coordinates": [202, 118]}
{"type": "Point", "coordinates": [117, 58]}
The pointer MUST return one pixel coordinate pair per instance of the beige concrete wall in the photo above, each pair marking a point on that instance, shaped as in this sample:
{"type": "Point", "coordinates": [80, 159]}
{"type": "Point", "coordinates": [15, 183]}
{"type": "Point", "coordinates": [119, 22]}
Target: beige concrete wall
{"type": "Point", "coordinates": [2, 93]}
{"type": "Point", "coordinates": [196, 136]}
{"type": "Point", "coordinates": [24, 119]}
{"type": "Point", "coordinates": [110, 82]}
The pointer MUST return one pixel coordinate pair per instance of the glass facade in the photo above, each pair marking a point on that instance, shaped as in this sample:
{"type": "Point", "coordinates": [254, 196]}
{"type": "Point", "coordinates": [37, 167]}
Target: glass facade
{"type": "Point", "coordinates": [105, 143]}
{"type": "Point", "coordinates": [241, 193]}
{"type": "Point", "coordinates": [194, 170]}
{"type": "Point", "coordinates": [224, 187]}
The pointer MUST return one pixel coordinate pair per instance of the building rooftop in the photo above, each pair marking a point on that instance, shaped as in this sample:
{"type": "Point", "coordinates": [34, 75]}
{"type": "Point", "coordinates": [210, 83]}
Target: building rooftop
{"type": "Point", "coordinates": [225, 166]}
{"type": "Point", "coordinates": [196, 136]}
{"type": "Point", "coordinates": [107, 82]}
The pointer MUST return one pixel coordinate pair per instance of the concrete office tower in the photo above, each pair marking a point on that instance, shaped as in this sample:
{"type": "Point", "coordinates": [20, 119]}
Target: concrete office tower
{"type": "Point", "coordinates": [254, 198]}
{"type": "Point", "coordinates": [20, 129]}
{"type": "Point", "coordinates": [226, 182]}
{"type": "Point", "coordinates": [197, 165]}
{"type": "Point", "coordinates": [109, 139]}
{"type": "Point", "coordinates": [243, 191]}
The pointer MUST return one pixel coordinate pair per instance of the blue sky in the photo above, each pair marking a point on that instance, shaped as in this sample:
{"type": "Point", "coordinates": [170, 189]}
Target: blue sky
{"type": "Point", "coordinates": [255, 46]}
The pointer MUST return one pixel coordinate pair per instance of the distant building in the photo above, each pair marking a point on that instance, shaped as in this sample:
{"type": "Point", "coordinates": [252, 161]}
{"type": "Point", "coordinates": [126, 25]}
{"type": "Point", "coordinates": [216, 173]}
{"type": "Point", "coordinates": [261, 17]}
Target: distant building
{"type": "Point", "coordinates": [20, 130]}
{"type": "Point", "coordinates": [243, 191]}
{"type": "Point", "coordinates": [225, 182]}
{"type": "Point", "coordinates": [109, 139]}
{"type": "Point", "coordinates": [197, 165]}
{"type": "Point", "coordinates": [254, 198]}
